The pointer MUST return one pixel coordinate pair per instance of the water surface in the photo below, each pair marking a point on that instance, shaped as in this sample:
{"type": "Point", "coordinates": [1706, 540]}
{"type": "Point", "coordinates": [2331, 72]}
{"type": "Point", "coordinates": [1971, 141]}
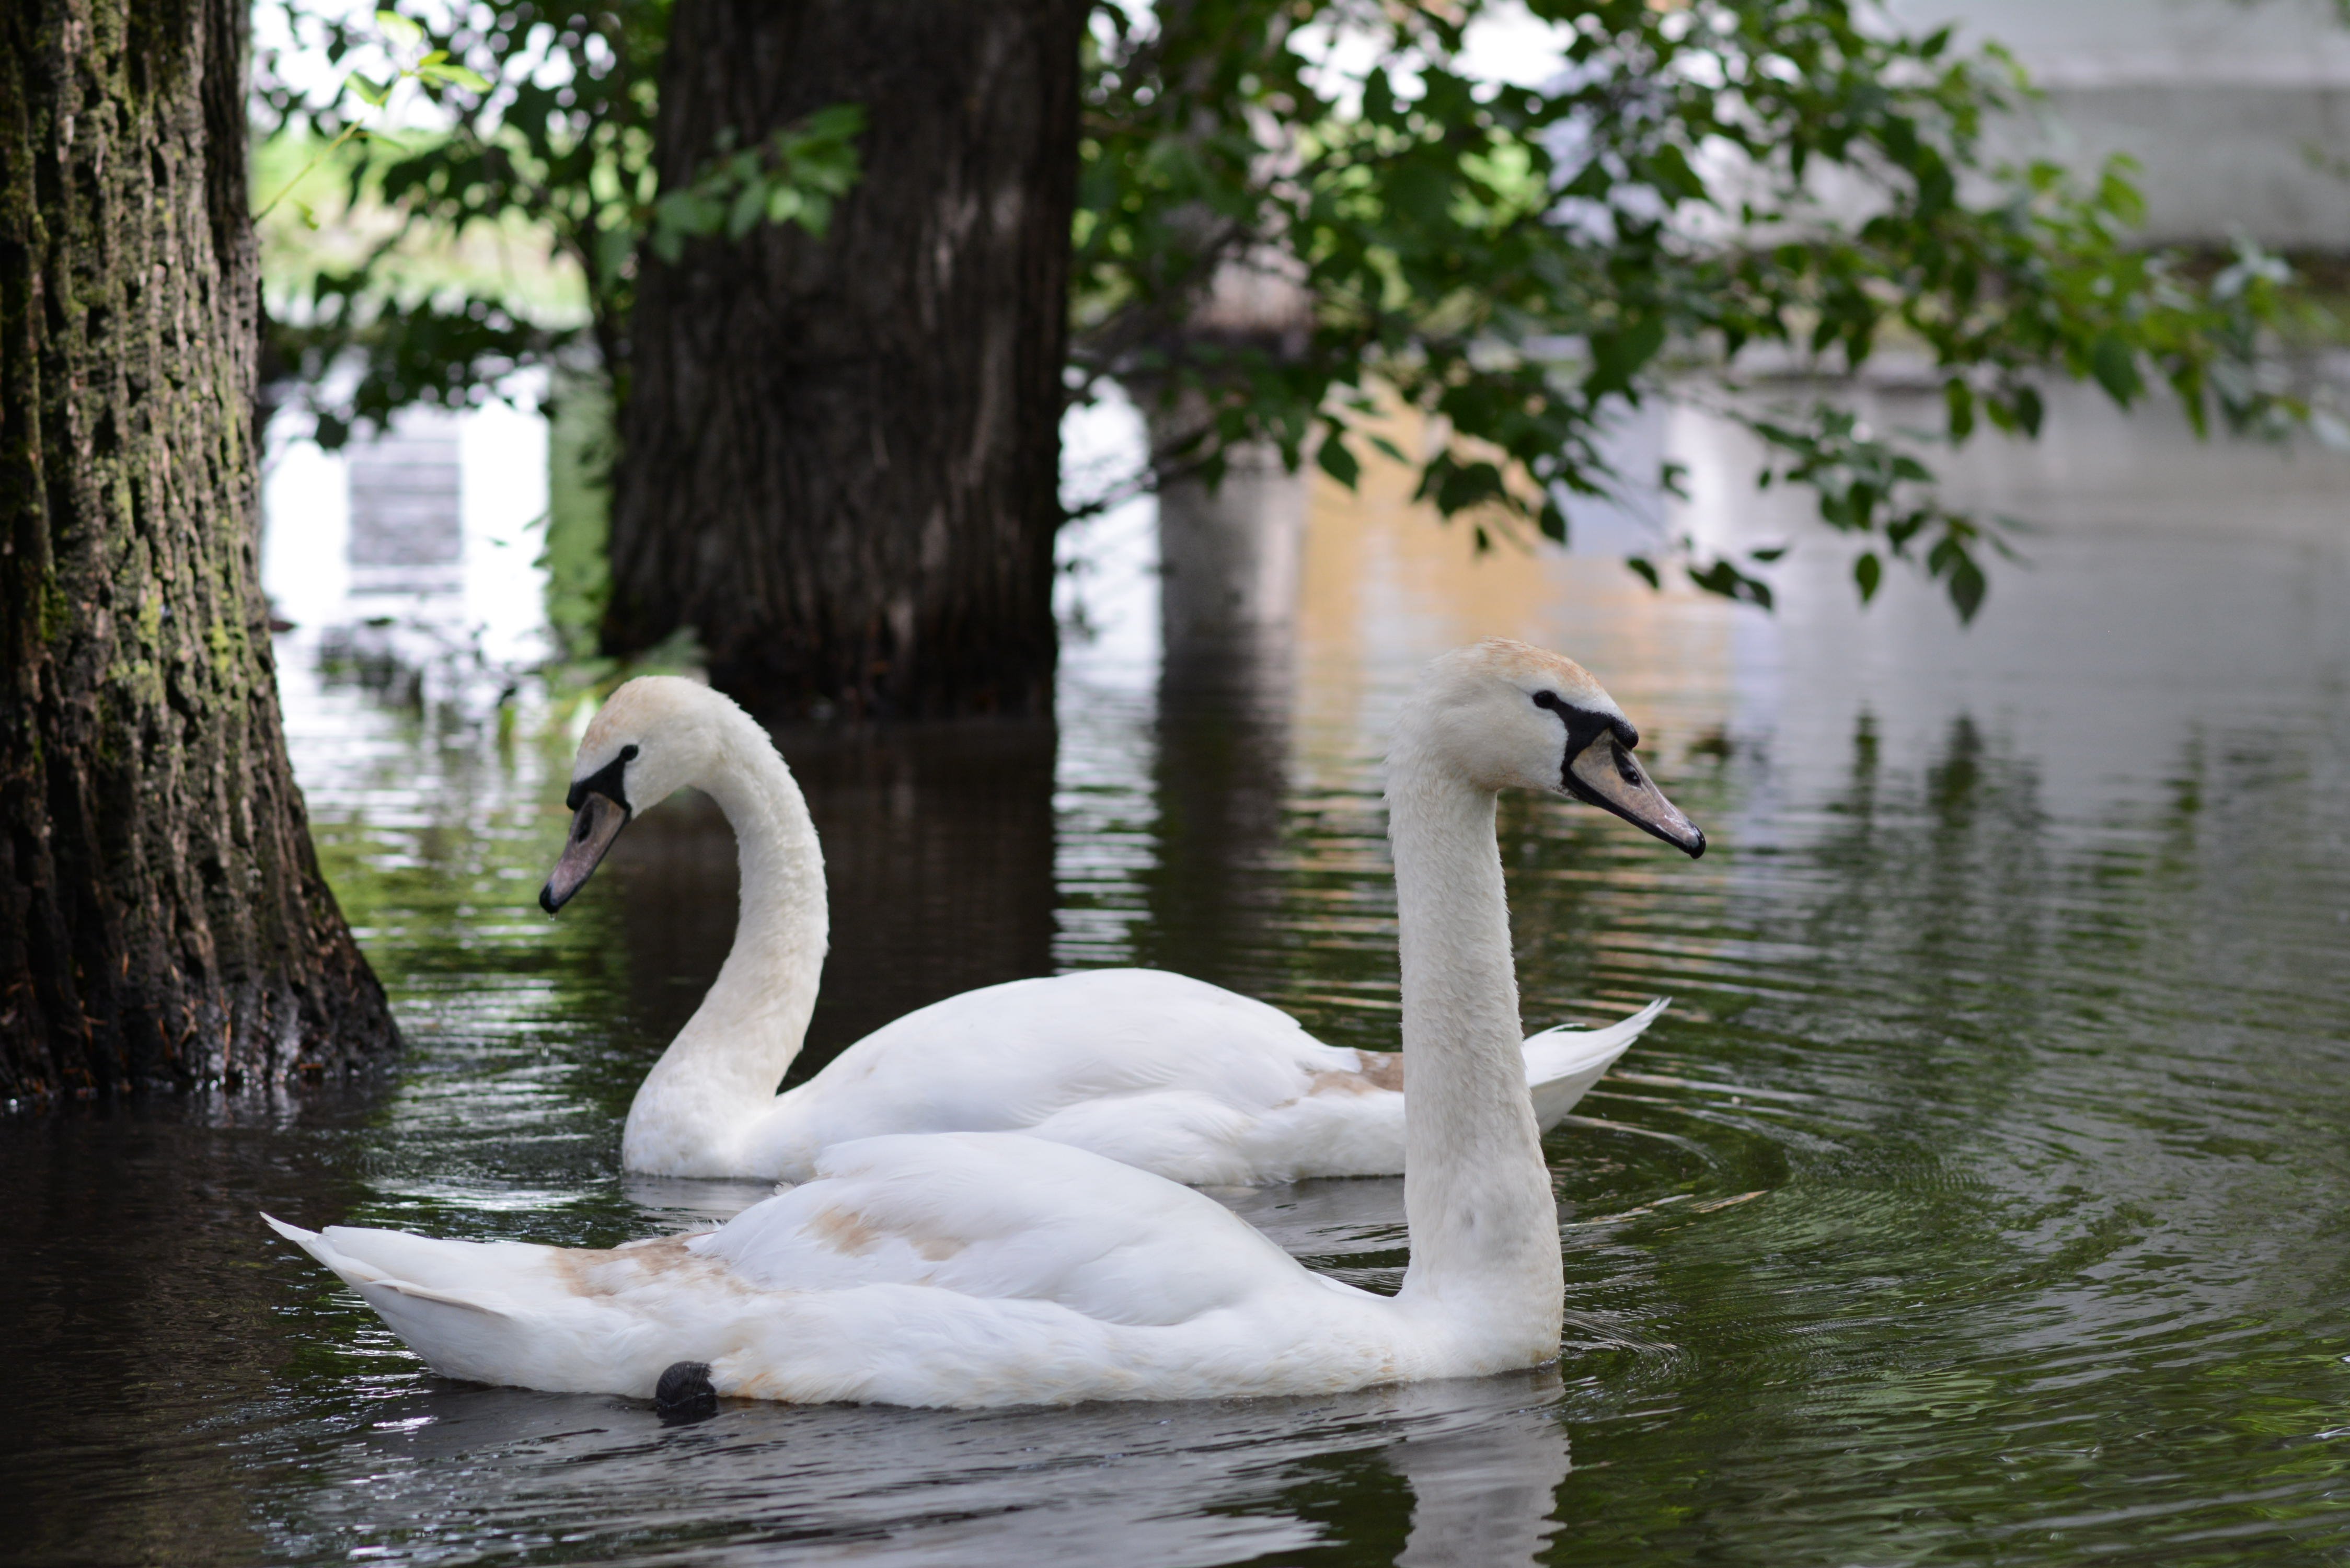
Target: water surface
{"type": "Point", "coordinates": [1982, 1196]}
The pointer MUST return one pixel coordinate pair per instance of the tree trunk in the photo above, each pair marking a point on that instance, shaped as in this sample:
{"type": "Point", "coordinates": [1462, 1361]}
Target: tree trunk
{"type": "Point", "coordinates": [162, 920]}
{"type": "Point", "coordinates": [840, 456]}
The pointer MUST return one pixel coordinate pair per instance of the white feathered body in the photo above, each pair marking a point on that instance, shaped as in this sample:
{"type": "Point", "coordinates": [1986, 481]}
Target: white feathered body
{"type": "Point", "coordinates": [972, 1269]}
{"type": "Point", "coordinates": [1166, 1074]}
{"type": "Point", "coordinates": [1159, 1071]}
{"type": "Point", "coordinates": [980, 1267]}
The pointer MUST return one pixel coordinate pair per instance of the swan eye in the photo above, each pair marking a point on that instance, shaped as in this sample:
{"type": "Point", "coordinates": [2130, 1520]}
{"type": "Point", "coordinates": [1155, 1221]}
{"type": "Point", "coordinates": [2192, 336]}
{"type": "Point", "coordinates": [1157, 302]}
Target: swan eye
{"type": "Point", "coordinates": [1549, 699]}
{"type": "Point", "coordinates": [628, 754]}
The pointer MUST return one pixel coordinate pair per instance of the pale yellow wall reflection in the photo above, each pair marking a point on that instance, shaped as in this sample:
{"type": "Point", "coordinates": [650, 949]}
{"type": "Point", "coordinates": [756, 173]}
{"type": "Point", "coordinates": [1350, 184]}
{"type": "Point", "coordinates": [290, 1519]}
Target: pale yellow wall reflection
{"type": "Point", "coordinates": [1387, 583]}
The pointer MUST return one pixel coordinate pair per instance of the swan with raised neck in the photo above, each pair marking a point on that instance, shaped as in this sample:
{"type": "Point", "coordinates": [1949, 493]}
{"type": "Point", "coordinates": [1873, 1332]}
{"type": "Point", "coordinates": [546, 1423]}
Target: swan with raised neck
{"type": "Point", "coordinates": [1166, 1072]}
{"type": "Point", "coordinates": [978, 1269]}
{"type": "Point", "coordinates": [698, 1108]}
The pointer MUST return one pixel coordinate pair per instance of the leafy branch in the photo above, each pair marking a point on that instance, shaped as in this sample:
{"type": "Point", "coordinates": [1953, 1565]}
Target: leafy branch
{"type": "Point", "coordinates": [562, 140]}
{"type": "Point", "coordinates": [1520, 265]}
{"type": "Point", "coordinates": [429, 66]}
{"type": "Point", "coordinates": [792, 177]}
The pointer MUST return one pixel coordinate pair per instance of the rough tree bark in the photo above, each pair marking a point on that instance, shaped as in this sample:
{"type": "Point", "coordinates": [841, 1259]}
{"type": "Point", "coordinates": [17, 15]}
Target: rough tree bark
{"type": "Point", "coordinates": [162, 920]}
{"type": "Point", "coordinates": [838, 456]}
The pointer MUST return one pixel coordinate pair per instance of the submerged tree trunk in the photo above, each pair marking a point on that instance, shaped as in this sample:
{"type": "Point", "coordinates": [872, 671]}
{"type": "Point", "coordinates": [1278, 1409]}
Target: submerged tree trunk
{"type": "Point", "coordinates": [162, 920]}
{"type": "Point", "coordinates": [838, 456]}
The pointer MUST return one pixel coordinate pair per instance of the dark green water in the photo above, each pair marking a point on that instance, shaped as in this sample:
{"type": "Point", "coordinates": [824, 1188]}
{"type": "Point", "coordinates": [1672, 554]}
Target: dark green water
{"type": "Point", "coordinates": [1984, 1197]}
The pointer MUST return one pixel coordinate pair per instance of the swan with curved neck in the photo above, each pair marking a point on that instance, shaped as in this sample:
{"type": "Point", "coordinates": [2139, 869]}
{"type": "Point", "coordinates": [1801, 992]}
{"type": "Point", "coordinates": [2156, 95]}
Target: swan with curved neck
{"type": "Point", "coordinates": [980, 1269]}
{"type": "Point", "coordinates": [1165, 1072]}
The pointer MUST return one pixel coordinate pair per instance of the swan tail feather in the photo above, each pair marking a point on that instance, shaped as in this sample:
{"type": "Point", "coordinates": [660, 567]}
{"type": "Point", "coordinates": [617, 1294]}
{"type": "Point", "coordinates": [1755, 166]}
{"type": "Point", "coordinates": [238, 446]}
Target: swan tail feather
{"type": "Point", "coordinates": [564, 1319]}
{"type": "Point", "coordinates": [1563, 1064]}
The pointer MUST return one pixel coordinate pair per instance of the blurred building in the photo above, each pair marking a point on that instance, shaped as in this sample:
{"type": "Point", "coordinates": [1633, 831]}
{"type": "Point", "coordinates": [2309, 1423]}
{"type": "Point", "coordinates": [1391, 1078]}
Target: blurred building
{"type": "Point", "coordinates": [2237, 110]}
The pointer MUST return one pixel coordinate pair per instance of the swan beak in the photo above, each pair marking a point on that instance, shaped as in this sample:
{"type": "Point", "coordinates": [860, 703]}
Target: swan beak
{"type": "Point", "coordinates": [1606, 774]}
{"type": "Point", "coordinates": [597, 822]}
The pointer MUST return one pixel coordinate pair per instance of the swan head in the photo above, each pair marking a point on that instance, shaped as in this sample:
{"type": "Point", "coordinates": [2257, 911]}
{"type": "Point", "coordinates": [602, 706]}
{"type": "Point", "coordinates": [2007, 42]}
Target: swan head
{"type": "Point", "coordinates": [652, 737]}
{"type": "Point", "coordinates": [1508, 715]}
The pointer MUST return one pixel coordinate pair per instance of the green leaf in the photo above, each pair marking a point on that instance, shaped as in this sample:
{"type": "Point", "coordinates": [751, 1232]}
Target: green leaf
{"type": "Point", "coordinates": [367, 88]}
{"type": "Point", "coordinates": [750, 206]}
{"type": "Point", "coordinates": [1960, 400]}
{"type": "Point", "coordinates": [1674, 178]}
{"type": "Point", "coordinates": [1728, 581]}
{"type": "Point", "coordinates": [2114, 364]}
{"type": "Point", "coordinates": [836, 122]}
{"type": "Point", "coordinates": [455, 76]}
{"type": "Point", "coordinates": [399, 29]}
{"type": "Point", "coordinates": [1646, 569]}
{"type": "Point", "coordinates": [2028, 410]}
{"type": "Point", "coordinates": [1617, 356]}
{"type": "Point", "coordinates": [1337, 462]}
{"type": "Point", "coordinates": [1967, 587]}
{"type": "Point", "coordinates": [1868, 572]}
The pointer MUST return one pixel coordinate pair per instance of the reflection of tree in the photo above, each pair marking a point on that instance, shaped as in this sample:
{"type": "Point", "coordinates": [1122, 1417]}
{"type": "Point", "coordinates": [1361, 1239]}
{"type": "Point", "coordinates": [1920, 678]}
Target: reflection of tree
{"type": "Point", "coordinates": [1221, 785]}
{"type": "Point", "coordinates": [1227, 607]}
{"type": "Point", "coordinates": [147, 1323]}
{"type": "Point", "coordinates": [938, 849]}
{"type": "Point", "coordinates": [1983, 1025]}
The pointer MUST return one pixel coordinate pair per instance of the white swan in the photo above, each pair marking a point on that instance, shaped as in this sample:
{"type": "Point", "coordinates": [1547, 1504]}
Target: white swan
{"type": "Point", "coordinates": [1168, 1074]}
{"type": "Point", "coordinates": [978, 1269]}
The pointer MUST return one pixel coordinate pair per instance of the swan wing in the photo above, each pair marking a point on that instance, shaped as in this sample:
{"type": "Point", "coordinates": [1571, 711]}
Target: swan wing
{"type": "Point", "coordinates": [971, 1268]}
{"type": "Point", "coordinates": [1005, 1216]}
{"type": "Point", "coordinates": [1563, 1064]}
{"type": "Point", "coordinates": [1181, 1078]}
{"type": "Point", "coordinates": [1009, 1057]}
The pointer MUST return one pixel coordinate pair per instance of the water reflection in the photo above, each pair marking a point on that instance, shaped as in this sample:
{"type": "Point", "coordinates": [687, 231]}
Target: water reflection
{"type": "Point", "coordinates": [1982, 1194]}
{"type": "Point", "coordinates": [1221, 789]}
{"type": "Point", "coordinates": [1482, 1494]}
{"type": "Point", "coordinates": [937, 843]}
{"type": "Point", "coordinates": [1149, 1485]}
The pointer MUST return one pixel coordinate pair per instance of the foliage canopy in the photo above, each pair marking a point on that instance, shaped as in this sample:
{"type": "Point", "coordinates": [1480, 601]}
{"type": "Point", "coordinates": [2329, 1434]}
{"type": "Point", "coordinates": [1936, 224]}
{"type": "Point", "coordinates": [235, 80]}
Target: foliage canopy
{"type": "Point", "coordinates": [1702, 190]}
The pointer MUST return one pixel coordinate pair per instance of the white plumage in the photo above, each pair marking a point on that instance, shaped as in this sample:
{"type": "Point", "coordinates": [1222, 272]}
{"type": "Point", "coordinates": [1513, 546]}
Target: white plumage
{"type": "Point", "coordinates": [992, 1268]}
{"type": "Point", "coordinates": [1168, 1074]}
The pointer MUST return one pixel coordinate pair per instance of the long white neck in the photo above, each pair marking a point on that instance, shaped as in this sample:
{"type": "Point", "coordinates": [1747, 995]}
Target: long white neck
{"type": "Point", "coordinates": [1477, 1195]}
{"type": "Point", "coordinates": [721, 1072]}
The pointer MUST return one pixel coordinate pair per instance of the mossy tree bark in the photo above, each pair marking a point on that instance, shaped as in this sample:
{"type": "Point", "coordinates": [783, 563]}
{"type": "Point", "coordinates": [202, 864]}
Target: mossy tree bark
{"type": "Point", "coordinates": [840, 456]}
{"type": "Point", "coordinates": [162, 920]}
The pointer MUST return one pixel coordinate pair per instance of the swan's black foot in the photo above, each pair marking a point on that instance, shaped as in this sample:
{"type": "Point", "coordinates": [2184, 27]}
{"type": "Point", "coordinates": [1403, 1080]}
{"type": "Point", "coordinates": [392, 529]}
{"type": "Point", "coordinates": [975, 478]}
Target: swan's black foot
{"type": "Point", "coordinates": [685, 1395]}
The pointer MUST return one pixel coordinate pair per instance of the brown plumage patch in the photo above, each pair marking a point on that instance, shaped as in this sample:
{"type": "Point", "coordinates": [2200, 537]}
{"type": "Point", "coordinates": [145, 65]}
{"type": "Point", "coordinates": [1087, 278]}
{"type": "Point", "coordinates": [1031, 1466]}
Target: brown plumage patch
{"type": "Point", "coordinates": [1379, 1071]}
{"type": "Point", "coordinates": [844, 1232]}
{"type": "Point", "coordinates": [852, 1236]}
{"type": "Point", "coordinates": [607, 1272]}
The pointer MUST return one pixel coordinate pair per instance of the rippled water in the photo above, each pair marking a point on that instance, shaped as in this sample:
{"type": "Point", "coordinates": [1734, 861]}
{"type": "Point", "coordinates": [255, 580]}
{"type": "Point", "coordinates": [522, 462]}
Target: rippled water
{"type": "Point", "coordinates": [1985, 1194]}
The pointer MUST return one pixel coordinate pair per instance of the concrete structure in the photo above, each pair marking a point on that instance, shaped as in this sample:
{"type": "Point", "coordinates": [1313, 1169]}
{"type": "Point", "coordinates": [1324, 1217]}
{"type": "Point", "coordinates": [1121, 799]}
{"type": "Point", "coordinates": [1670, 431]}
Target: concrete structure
{"type": "Point", "coordinates": [406, 529]}
{"type": "Point", "coordinates": [2237, 110]}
